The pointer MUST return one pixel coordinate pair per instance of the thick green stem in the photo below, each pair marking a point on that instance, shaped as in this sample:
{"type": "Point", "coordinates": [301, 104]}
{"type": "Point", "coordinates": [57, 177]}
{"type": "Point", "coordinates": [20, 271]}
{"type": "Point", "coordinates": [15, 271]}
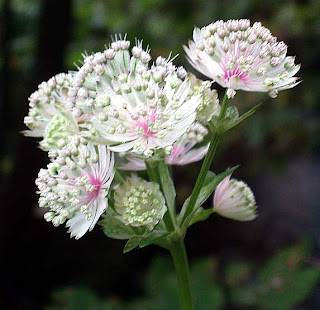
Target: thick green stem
{"type": "Point", "coordinates": [179, 256]}
{"type": "Point", "coordinates": [206, 163]}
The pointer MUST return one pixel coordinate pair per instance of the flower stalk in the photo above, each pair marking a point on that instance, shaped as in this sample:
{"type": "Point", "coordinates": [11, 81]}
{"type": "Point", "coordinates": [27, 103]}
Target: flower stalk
{"type": "Point", "coordinates": [215, 140]}
{"type": "Point", "coordinates": [154, 175]}
{"type": "Point", "coordinates": [180, 260]}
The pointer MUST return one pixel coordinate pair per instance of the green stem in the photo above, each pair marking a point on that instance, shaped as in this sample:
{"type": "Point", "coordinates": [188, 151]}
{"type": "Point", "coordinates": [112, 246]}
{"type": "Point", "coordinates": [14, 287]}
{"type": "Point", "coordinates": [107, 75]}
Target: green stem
{"type": "Point", "coordinates": [203, 172]}
{"type": "Point", "coordinates": [206, 163]}
{"type": "Point", "coordinates": [224, 106]}
{"type": "Point", "coordinates": [118, 176]}
{"type": "Point", "coordinates": [180, 260]}
{"type": "Point", "coordinates": [153, 172]}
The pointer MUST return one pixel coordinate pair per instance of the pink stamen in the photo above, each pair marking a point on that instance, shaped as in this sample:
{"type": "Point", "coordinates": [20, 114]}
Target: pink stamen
{"type": "Point", "coordinates": [144, 124]}
{"type": "Point", "coordinates": [243, 76]}
{"type": "Point", "coordinates": [96, 183]}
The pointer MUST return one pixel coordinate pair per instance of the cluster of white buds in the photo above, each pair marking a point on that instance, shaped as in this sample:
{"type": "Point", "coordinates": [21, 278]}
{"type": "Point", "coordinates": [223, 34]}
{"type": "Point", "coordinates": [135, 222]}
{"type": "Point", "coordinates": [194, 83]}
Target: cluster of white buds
{"type": "Point", "coordinates": [75, 184]}
{"type": "Point", "coordinates": [209, 105]}
{"type": "Point", "coordinates": [130, 106]}
{"type": "Point", "coordinates": [48, 115]}
{"type": "Point", "coordinates": [234, 199]}
{"type": "Point", "coordinates": [239, 56]}
{"type": "Point", "coordinates": [139, 203]}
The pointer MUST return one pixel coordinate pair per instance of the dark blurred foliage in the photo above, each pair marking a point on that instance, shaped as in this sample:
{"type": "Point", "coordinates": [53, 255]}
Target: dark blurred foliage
{"type": "Point", "coordinates": [279, 283]}
{"type": "Point", "coordinates": [278, 147]}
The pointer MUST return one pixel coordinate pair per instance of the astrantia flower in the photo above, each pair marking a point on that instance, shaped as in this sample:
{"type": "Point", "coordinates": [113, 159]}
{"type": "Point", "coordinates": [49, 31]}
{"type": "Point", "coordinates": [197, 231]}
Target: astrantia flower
{"type": "Point", "coordinates": [239, 56]}
{"type": "Point", "coordinates": [49, 116]}
{"type": "Point", "coordinates": [75, 185]}
{"type": "Point", "coordinates": [183, 151]}
{"type": "Point", "coordinates": [139, 203]}
{"type": "Point", "coordinates": [234, 199]}
{"type": "Point", "coordinates": [134, 108]}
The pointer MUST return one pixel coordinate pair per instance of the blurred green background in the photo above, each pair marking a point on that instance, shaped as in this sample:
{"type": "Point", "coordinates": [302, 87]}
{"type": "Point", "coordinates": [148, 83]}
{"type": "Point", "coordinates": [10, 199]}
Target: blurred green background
{"type": "Point", "coordinates": [236, 265]}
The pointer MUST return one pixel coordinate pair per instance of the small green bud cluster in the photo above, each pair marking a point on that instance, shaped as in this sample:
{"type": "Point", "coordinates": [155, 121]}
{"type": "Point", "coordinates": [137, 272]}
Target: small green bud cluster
{"type": "Point", "coordinates": [209, 104]}
{"type": "Point", "coordinates": [139, 203]}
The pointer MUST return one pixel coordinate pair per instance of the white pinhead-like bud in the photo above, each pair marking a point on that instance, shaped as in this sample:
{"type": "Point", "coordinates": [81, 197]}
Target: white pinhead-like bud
{"type": "Point", "coordinates": [109, 53]}
{"type": "Point", "coordinates": [231, 93]}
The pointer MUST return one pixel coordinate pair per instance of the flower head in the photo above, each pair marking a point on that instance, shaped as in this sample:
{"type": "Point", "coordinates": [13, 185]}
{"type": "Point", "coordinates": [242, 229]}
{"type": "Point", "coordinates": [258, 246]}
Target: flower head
{"type": "Point", "coordinates": [49, 116]}
{"type": "Point", "coordinates": [75, 184]}
{"type": "Point", "coordinates": [139, 203]}
{"type": "Point", "coordinates": [134, 108]}
{"type": "Point", "coordinates": [183, 152]}
{"type": "Point", "coordinates": [239, 56]}
{"type": "Point", "coordinates": [234, 199]}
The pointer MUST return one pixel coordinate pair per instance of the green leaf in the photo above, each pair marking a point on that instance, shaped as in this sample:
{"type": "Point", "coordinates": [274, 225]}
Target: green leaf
{"type": "Point", "coordinates": [167, 184]}
{"type": "Point", "coordinates": [286, 260]}
{"type": "Point", "coordinates": [201, 215]}
{"type": "Point", "coordinates": [210, 184]}
{"type": "Point", "coordinates": [114, 228]}
{"type": "Point", "coordinates": [282, 283]}
{"type": "Point", "coordinates": [243, 117]}
{"type": "Point", "coordinates": [131, 244]}
{"type": "Point", "coordinates": [153, 237]}
{"type": "Point", "coordinates": [209, 178]}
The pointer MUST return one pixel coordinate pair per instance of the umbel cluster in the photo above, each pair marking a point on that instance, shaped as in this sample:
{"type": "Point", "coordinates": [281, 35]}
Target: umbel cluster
{"type": "Point", "coordinates": [122, 111]}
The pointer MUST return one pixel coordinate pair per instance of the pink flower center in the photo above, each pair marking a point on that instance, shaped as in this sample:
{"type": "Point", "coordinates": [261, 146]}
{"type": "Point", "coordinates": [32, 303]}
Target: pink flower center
{"type": "Point", "coordinates": [144, 124]}
{"type": "Point", "coordinates": [243, 76]}
{"type": "Point", "coordinates": [96, 183]}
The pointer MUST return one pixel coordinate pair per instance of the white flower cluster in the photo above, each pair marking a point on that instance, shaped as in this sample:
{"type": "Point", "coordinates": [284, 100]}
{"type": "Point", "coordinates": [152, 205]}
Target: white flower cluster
{"type": "Point", "coordinates": [75, 185]}
{"type": "Point", "coordinates": [133, 107]}
{"type": "Point", "coordinates": [49, 116]}
{"type": "Point", "coordinates": [239, 56]}
{"type": "Point", "coordinates": [120, 101]}
{"type": "Point", "coordinates": [115, 102]}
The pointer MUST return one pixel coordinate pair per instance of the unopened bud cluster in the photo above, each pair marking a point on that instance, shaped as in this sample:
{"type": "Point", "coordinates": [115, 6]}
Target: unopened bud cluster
{"type": "Point", "coordinates": [139, 203]}
{"type": "Point", "coordinates": [209, 105]}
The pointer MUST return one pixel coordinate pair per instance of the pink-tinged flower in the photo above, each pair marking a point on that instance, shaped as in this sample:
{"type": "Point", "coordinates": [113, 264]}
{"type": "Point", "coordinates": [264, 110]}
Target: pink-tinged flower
{"type": "Point", "coordinates": [239, 56]}
{"type": "Point", "coordinates": [134, 108]}
{"type": "Point", "coordinates": [234, 199]}
{"type": "Point", "coordinates": [49, 117]}
{"type": "Point", "coordinates": [183, 151]}
{"type": "Point", "coordinates": [75, 185]}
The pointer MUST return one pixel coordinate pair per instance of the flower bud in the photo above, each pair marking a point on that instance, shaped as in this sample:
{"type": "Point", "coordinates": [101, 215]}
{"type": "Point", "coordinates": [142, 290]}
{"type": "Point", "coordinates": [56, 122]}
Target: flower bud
{"type": "Point", "coordinates": [139, 203]}
{"type": "Point", "coordinates": [234, 199]}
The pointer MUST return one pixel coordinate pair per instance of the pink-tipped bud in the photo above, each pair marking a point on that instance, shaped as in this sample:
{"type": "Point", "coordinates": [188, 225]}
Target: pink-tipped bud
{"type": "Point", "coordinates": [234, 199]}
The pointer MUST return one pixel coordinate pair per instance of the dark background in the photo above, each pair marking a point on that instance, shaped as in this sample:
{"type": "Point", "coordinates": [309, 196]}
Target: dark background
{"type": "Point", "coordinates": [278, 148]}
